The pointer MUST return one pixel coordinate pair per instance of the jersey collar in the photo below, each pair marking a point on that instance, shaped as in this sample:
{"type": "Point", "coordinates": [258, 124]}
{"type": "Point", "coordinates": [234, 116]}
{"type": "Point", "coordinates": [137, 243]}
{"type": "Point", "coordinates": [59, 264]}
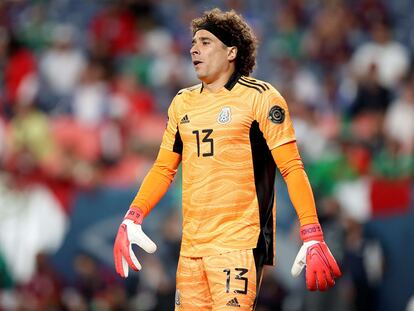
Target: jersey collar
{"type": "Point", "coordinates": [233, 80]}
{"type": "Point", "coordinates": [230, 84]}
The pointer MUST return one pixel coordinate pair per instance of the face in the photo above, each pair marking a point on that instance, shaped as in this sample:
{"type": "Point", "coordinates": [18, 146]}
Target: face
{"type": "Point", "coordinates": [211, 58]}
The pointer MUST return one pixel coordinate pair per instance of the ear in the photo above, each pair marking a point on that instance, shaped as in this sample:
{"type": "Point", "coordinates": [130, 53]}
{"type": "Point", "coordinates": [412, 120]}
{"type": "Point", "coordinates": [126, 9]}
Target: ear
{"type": "Point", "coordinates": [231, 53]}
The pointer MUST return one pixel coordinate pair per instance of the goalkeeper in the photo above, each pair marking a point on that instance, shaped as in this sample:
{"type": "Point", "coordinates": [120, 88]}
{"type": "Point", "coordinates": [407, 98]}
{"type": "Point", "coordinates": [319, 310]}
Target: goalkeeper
{"type": "Point", "coordinates": [230, 133]}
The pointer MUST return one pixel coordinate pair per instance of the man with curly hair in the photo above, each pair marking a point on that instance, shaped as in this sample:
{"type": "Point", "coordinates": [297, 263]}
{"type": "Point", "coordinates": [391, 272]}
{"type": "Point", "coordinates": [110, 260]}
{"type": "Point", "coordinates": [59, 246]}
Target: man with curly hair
{"type": "Point", "coordinates": [229, 133]}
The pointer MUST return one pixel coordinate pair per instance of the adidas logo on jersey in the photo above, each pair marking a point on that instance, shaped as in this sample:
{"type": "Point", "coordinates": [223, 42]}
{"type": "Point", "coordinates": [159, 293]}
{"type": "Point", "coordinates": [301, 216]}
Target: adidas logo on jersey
{"type": "Point", "coordinates": [184, 120]}
{"type": "Point", "coordinates": [233, 303]}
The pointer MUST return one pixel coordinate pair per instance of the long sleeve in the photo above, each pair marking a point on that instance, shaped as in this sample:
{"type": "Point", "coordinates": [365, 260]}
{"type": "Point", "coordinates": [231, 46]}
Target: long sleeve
{"type": "Point", "coordinates": [290, 164]}
{"type": "Point", "coordinates": [157, 181]}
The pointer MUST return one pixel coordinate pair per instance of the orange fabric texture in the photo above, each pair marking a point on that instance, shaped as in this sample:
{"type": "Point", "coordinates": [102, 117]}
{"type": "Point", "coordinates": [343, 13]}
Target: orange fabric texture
{"type": "Point", "coordinates": [228, 143]}
{"type": "Point", "coordinates": [218, 282]}
{"type": "Point", "coordinates": [222, 137]}
{"type": "Point", "coordinates": [289, 162]}
{"type": "Point", "coordinates": [157, 181]}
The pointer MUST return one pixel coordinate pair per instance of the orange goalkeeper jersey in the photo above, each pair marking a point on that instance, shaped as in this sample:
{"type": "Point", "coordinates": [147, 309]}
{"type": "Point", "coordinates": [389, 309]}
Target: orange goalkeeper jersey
{"type": "Point", "coordinates": [225, 140]}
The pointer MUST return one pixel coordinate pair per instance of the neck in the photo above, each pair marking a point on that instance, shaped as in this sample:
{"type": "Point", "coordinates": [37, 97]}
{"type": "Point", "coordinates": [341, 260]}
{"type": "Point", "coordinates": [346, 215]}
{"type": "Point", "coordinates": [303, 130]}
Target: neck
{"type": "Point", "coordinates": [220, 82]}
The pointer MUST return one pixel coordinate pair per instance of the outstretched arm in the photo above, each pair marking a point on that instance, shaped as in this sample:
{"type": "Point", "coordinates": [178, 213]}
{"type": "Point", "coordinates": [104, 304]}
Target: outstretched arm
{"type": "Point", "coordinates": [321, 267]}
{"type": "Point", "coordinates": [153, 188]}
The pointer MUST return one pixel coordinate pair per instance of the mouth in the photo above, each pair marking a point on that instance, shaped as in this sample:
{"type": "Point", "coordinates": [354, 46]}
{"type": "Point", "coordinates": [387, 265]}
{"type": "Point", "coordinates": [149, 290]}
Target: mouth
{"type": "Point", "coordinates": [196, 62]}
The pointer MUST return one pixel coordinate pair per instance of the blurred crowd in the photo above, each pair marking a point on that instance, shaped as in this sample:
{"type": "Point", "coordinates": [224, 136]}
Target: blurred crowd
{"type": "Point", "coordinates": [84, 89]}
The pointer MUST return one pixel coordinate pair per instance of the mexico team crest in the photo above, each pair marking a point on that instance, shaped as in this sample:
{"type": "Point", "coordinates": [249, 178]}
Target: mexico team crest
{"type": "Point", "coordinates": [224, 115]}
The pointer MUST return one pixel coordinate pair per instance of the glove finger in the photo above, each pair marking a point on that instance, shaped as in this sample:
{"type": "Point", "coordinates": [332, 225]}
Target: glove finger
{"type": "Point", "coordinates": [120, 240]}
{"type": "Point", "coordinates": [332, 262]}
{"type": "Point", "coordinates": [311, 280]}
{"type": "Point", "coordinates": [118, 260]}
{"type": "Point", "coordinates": [135, 263]}
{"type": "Point", "coordinates": [330, 279]}
{"type": "Point", "coordinates": [299, 262]}
{"type": "Point", "coordinates": [130, 258]}
{"type": "Point", "coordinates": [125, 268]}
{"type": "Point", "coordinates": [143, 241]}
{"type": "Point", "coordinates": [334, 268]}
{"type": "Point", "coordinates": [123, 243]}
{"type": "Point", "coordinates": [321, 279]}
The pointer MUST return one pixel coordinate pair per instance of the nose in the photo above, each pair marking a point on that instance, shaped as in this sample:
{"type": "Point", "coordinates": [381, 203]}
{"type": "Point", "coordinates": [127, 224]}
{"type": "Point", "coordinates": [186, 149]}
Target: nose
{"type": "Point", "coordinates": [194, 50]}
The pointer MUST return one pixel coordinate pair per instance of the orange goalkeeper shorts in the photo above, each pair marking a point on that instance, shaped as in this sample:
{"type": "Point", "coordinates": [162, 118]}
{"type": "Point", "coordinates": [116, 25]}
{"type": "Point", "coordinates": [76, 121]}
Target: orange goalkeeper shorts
{"type": "Point", "coordinates": [219, 282]}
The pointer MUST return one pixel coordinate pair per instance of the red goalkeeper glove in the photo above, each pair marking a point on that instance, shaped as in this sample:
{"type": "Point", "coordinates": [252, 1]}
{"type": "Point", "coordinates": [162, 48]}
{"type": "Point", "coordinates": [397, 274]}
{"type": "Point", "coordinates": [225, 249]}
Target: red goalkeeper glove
{"type": "Point", "coordinates": [130, 232]}
{"type": "Point", "coordinates": [321, 267]}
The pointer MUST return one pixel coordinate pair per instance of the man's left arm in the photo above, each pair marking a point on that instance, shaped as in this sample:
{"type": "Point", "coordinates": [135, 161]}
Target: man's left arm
{"type": "Point", "coordinates": [321, 267]}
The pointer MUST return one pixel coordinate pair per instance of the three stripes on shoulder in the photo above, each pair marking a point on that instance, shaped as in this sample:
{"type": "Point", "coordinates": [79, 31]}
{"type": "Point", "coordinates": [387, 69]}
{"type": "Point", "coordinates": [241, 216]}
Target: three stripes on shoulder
{"type": "Point", "coordinates": [252, 83]}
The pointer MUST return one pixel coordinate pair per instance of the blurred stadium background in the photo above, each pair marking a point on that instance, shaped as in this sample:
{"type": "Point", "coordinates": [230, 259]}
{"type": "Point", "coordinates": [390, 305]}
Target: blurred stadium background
{"type": "Point", "coordinates": [84, 87]}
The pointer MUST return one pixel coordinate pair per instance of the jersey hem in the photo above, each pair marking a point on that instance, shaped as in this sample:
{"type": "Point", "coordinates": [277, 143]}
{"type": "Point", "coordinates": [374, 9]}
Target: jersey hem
{"type": "Point", "coordinates": [200, 253]}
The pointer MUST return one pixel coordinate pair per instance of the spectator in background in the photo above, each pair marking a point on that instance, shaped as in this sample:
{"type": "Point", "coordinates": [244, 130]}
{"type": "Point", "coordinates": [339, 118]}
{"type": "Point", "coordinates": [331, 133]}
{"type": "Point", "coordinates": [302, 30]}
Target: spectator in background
{"type": "Point", "coordinates": [6, 280]}
{"type": "Point", "coordinates": [368, 109]}
{"type": "Point", "coordinates": [94, 282]}
{"type": "Point", "coordinates": [61, 67]}
{"type": "Point", "coordinates": [327, 42]}
{"type": "Point", "coordinates": [283, 47]}
{"type": "Point", "coordinates": [90, 104]}
{"type": "Point", "coordinates": [130, 98]}
{"type": "Point", "coordinates": [30, 143]}
{"type": "Point", "coordinates": [21, 63]}
{"type": "Point", "coordinates": [365, 264]}
{"type": "Point", "coordinates": [113, 31]}
{"type": "Point", "coordinates": [4, 42]}
{"type": "Point", "coordinates": [170, 70]}
{"type": "Point", "coordinates": [371, 95]}
{"type": "Point", "coordinates": [390, 58]}
{"type": "Point", "coordinates": [3, 138]}
{"type": "Point", "coordinates": [399, 118]}
{"type": "Point", "coordinates": [286, 41]}
{"type": "Point", "coordinates": [368, 11]}
{"type": "Point", "coordinates": [42, 291]}
{"type": "Point", "coordinates": [34, 27]}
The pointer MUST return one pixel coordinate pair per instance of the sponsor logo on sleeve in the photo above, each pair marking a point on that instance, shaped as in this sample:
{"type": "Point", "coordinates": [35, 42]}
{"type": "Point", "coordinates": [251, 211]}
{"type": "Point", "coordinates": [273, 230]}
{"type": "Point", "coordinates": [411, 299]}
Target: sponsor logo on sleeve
{"type": "Point", "coordinates": [277, 114]}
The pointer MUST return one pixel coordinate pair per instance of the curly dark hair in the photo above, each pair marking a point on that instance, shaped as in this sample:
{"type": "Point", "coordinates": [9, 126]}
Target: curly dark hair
{"type": "Point", "coordinates": [241, 34]}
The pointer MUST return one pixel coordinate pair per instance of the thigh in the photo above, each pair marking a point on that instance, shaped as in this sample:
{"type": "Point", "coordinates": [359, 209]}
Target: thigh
{"type": "Point", "coordinates": [232, 278]}
{"type": "Point", "coordinates": [192, 290]}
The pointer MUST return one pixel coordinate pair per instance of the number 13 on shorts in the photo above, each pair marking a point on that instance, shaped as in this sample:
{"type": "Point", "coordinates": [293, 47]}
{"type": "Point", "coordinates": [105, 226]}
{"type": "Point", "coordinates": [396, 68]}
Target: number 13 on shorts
{"type": "Point", "coordinates": [218, 282]}
{"type": "Point", "coordinates": [239, 276]}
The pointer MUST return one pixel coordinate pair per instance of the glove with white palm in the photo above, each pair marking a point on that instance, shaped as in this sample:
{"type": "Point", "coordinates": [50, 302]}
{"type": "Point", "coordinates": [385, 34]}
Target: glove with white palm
{"type": "Point", "coordinates": [130, 232]}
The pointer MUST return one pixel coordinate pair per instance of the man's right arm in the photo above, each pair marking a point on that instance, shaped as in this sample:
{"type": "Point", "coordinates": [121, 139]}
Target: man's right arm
{"type": "Point", "coordinates": [153, 188]}
{"type": "Point", "coordinates": [157, 181]}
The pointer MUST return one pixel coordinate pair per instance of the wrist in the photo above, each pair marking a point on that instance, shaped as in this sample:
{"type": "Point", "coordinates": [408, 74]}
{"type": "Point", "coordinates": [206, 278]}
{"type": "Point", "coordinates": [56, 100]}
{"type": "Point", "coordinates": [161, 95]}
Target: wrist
{"type": "Point", "coordinates": [311, 232]}
{"type": "Point", "coordinates": [135, 214]}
